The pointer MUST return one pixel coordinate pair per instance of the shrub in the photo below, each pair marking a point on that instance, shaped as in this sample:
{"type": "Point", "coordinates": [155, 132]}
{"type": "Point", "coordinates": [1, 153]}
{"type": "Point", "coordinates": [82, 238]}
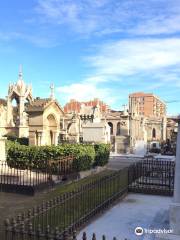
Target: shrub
{"type": "Point", "coordinates": [102, 154]}
{"type": "Point", "coordinates": [13, 138]}
{"type": "Point", "coordinates": [36, 157]}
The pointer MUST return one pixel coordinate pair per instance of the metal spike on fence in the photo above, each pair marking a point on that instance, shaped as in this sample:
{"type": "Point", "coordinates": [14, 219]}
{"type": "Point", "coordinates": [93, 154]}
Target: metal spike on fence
{"type": "Point", "coordinates": [29, 213]}
{"type": "Point", "coordinates": [84, 236]}
{"type": "Point", "coordinates": [34, 211]}
{"type": "Point", "coordinates": [56, 233]}
{"type": "Point", "coordinates": [74, 235]}
{"type": "Point", "coordinates": [48, 231]}
{"type": "Point", "coordinates": [30, 229]}
{"type": "Point", "coordinates": [103, 237]}
{"type": "Point", "coordinates": [22, 228]}
{"type": "Point", "coordinates": [114, 238]}
{"type": "Point", "coordinates": [65, 237]}
{"type": "Point", "coordinates": [23, 216]}
{"type": "Point", "coordinates": [39, 230]}
{"type": "Point", "coordinates": [14, 223]}
{"type": "Point", "coordinates": [51, 203]}
{"type": "Point", "coordinates": [7, 224]}
{"type": "Point", "coordinates": [39, 209]}
{"type": "Point", "coordinates": [94, 236]}
{"type": "Point", "coordinates": [19, 218]}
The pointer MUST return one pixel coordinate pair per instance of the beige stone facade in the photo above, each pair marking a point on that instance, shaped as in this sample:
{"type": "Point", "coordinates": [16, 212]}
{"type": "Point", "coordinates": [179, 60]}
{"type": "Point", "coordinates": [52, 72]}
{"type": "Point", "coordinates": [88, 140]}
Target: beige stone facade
{"type": "Point", "coordinates": [44, 122]}
{"type": "Point", "coordinates": [37, 119]}
{"type": "Point", "coordinates": [119, 129]}
{"type": "Point", "coordinates": [88, 125]}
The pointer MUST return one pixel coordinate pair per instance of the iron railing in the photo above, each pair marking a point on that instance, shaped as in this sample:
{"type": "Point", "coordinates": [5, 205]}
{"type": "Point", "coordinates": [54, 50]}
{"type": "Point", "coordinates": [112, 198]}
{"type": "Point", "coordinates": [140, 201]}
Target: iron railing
{"type": "Point", "coordinates": [153, 176]}
{"type": "Point", "coordinates": [69, 211]}
{"type": "Point", "coordinates": [27, 180]}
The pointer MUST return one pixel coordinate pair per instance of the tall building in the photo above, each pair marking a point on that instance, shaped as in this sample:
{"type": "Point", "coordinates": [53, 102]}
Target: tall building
{"type": "Point", "coordinates": [146, 104]}
{"type": "Point", "coordinates": [75, 106]}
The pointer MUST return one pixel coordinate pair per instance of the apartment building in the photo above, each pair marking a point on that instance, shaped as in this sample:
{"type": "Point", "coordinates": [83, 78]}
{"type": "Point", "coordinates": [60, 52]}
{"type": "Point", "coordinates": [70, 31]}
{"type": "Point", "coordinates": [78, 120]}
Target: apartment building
{"type": "Point", "coordinates": [147, 105]}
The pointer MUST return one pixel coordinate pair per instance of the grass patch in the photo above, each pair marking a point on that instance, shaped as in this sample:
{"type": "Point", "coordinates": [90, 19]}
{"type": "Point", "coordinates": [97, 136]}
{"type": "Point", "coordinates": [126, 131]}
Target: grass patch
{"type": "Point", "coordinates": [88, 194]}
{"type": "Point", "coordinates": [78, 183]}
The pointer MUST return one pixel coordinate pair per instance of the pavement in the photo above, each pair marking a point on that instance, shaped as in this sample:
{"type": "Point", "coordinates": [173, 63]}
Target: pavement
{"type": "Point", "coordinates": [118, 162]}
{"type": "Point", "coordinates": [135, 210]}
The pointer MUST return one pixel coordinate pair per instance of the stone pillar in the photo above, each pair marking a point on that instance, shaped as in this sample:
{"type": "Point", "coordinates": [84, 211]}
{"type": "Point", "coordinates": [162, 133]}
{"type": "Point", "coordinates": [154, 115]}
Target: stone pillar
{"type": "Point", "coordinates": [9, 112]}
{"type": "Point", "coordinates": [164, 128]}
{"type": "Point", "coordinates": [39, 143]}
{"type": "Point", "coordinates": [2, 149]}
{"type": "Point", "coordinates": [175, 207]}
{"type": "Point", "coordinates": [63, 123]}
{"type": "Point", "coordinates": [55, 137]}
{"type": "Point", "coordinates": [174, 211]}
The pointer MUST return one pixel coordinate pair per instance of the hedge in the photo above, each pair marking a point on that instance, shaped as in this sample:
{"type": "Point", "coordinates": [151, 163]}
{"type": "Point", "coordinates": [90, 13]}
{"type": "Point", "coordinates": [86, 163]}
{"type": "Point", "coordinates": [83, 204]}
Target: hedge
{"type": "Point", "coordinates": [13, 138]}
{"type": "Point", "coordinates": [36, 157]}
{"type": "Point", "coordinates": [102, 154]}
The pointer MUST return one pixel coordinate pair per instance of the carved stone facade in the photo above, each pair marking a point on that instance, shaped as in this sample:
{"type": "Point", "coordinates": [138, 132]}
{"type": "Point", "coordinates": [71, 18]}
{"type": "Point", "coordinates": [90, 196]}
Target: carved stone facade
{"type": "Point", "coordinates": [88, 126]}
{"type": "Point", "coordinates": [119, 129]}
{"type": "Point", "coordinates": [37, 119]}
{"type": "Point", "coordinates": [14, 119]}
{"type": "Point", "coordinates": [44, 122]}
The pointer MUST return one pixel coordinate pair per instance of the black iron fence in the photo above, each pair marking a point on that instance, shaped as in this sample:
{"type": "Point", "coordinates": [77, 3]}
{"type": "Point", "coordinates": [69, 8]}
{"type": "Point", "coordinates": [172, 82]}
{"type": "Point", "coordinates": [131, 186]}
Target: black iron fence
{"type": "Point", "coordinates": [72, 210]}
{"type": "Point", "coordinates": [61, 167]}
{"type": "Point", "coordinates": [29, 180]}
{"type": "Point", "coordinates": [154, 176]}
{"type": "Point", "coordinates": [73, 236]}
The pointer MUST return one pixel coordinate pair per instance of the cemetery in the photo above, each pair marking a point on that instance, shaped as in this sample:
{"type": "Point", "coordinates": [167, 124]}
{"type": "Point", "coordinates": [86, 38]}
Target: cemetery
{"type": "Point", "coordinates": [79, 187]}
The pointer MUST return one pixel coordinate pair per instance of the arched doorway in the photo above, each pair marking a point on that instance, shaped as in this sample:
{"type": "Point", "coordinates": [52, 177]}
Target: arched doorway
{"type": "Point", "coordinates": [118, 132]}
{"type": "Point", "coordinates": [52, 130]}
{"type": "Point", "coordinates": [15, 110]}
{"type": "Point", "coordinates": [111, 127]}
{"type": "Point", "coordinates": [154, 133]}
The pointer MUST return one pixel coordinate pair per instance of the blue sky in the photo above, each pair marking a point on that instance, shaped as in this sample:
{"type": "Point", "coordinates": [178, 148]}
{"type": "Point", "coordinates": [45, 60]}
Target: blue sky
{"type": "Point", "coordinates": [92, 48]}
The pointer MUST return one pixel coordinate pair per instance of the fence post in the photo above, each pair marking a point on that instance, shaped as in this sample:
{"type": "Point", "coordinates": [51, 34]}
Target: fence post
{"type": "Point", "coordinates": [74, 235]}
{"type": "Point", "coordinates": [56, 234]}
{"type": "Point", "coordinates": [84, 237]}
{"type": "Point", "coordinates": [7, 228]}
{"type": "Point", "coordinates": [94, 236]}
{"type": "Point", "coordinates": [30, 230]}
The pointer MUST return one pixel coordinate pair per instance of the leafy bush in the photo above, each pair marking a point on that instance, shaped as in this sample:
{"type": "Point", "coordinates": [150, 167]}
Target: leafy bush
{"type": "Point", "coordinates": [102, 154]}
{"type": "Point", "coordinates": [36, 157]}
{"type": "Point", "coordinates": [13, 138]}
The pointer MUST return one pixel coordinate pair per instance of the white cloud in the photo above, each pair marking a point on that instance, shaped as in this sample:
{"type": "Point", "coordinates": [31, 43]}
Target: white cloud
{"type": "Point", "coordinates": [112, 16]}
{"type": "Point", "coordinates": [120, 67]}
{"type": "Point", "coordinates": [129, 57]}
{"type": "Point", "coordinates": [84, 91]}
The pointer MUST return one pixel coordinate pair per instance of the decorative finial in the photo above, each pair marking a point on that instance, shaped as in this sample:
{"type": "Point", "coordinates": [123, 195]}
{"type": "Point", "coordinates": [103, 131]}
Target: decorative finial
{"type": "Point", "coordinates": [52, 91]}
{"type": "Point", "coordinates": [20, 72]}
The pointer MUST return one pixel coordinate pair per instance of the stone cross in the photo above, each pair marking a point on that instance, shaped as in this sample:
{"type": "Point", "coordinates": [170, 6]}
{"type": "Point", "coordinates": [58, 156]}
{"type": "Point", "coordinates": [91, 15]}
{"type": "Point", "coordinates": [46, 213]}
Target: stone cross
{"type": "Point", "coordinates": [52, 91]}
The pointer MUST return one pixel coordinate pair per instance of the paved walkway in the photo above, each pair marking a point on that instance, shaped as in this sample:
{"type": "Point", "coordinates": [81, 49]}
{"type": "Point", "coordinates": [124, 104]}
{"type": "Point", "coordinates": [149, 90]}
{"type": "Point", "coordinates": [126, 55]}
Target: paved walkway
{"type": "Point", "coordinates": [135, 210]}
{"type": "Point", "coordinates": [117, 162]}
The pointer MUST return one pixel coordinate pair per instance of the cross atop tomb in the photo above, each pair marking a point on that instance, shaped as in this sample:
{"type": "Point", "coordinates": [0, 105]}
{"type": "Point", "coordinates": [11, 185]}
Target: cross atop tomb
{"type": "Point", "coordinates": [52, 91]}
